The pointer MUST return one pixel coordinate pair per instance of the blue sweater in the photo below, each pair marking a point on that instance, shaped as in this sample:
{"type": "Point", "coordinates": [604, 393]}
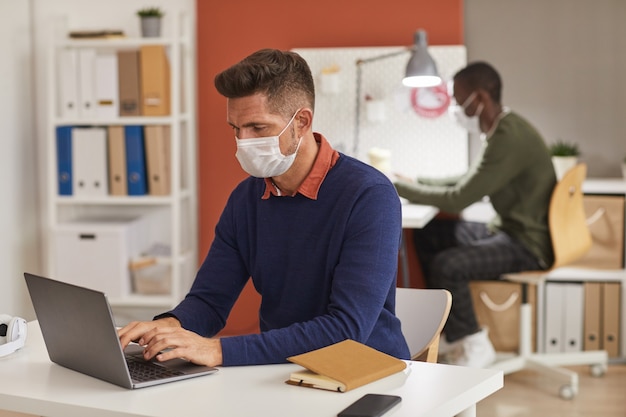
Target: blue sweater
{"type": "Point", "coordinates": [325, 268]}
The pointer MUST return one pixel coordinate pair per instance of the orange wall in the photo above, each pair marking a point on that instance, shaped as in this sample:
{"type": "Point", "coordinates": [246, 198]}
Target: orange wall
{"type": "Point", "coordinates": [230, 30]}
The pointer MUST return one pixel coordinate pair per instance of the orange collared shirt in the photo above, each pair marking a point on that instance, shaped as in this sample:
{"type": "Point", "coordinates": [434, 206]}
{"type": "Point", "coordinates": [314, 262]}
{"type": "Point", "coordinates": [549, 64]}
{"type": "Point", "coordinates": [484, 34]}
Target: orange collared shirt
{"type": "Point", "coordinates": [324, 161]}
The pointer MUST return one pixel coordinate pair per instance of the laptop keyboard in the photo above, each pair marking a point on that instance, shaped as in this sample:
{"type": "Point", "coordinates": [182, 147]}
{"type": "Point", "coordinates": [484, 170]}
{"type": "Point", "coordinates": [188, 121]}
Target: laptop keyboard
{"type": "Point", "coordinates": [142, 370]}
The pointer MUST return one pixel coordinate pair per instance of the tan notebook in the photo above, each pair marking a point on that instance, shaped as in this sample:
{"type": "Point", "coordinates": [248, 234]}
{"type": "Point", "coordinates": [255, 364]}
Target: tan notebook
{"type": "Point", "coordinates": [343, 366]}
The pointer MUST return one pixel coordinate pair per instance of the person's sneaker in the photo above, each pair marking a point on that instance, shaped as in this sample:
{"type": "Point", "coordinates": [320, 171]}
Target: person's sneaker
{"type": "Point", "coordinates": [477, 351]}
{"type": "Point", "coordinates": [446, 347]}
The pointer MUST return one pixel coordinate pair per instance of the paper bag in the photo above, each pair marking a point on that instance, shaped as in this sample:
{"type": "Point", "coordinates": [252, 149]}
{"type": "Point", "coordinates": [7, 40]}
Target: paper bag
{"type": "Point", "coordinates": [497, 307]}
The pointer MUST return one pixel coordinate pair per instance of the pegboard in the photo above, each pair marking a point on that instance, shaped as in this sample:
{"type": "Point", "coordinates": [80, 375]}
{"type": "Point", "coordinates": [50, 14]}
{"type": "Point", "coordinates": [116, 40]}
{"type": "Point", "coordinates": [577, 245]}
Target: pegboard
{"type": "Point", "coordinates": [420, 146]}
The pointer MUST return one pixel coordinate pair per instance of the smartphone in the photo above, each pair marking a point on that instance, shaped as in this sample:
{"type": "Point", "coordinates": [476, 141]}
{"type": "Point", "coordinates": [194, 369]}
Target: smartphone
{"type": "Point", "coordinates": [370, 405]}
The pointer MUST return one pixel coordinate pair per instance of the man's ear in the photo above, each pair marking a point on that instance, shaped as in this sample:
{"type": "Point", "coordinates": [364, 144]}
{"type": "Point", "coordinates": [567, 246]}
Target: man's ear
{"type": "Point", "coordinates": [484, 95]}
{"type": "Point", "coordinates": [304, 121]}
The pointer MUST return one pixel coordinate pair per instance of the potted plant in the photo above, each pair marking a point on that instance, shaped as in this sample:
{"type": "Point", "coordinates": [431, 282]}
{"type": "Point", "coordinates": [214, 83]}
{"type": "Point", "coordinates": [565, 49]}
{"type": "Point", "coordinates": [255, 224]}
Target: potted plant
{"type": "Point", "coordinates": [150, 21]}
{"type": "Point", "coordinates": [564, 156]}
{"type": "Point", "coordinates": [624, 167]}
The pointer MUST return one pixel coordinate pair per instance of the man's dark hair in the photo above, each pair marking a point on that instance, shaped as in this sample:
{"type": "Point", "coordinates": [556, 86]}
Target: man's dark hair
{"type": "Point", "coordinates": [283, 76]}
{"type": "Point", "coordinates": [481, 75]}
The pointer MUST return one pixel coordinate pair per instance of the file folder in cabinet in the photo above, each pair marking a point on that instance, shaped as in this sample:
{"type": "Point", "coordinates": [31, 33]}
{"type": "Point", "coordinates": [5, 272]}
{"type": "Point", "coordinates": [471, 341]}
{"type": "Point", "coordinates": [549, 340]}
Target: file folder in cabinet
{"type": "Point", "coordinates": [155, 81]}
{"type": "Point", "coordinates": [564, 317]}
{"type": "Point", "coordinates": [117, 161]}
{"type": "Point", "coordinates": [68, 83]}
{"type": "Point", "coordinates": [64, 159]}
{"type": "Point", "coordinates": [593, 316]}
{"type": "Point", "coordinates": [157, 142]}
{"type": "Point", "coordinates": [107, 106]}
{"type": "Point", "coordinates": [553, 318]}
{"type": "Point", "coordinates": [89, 161]}
{"type": "Point", "coordinates": [611, 318]}
{"type": "Point", "coordinates": [135, 160]}
{"type": "Point", "coordinates": [86, 82]}
{"type": "Point", "coordinates": [128, 74]}
{"type": "Point", "coordinates": [573, 301]}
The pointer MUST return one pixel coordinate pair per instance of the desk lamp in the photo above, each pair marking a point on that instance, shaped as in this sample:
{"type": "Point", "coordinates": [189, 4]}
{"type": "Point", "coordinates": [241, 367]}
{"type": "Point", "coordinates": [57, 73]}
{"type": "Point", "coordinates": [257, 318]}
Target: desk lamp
{"type": "Point", "coordinates": [421, 71]}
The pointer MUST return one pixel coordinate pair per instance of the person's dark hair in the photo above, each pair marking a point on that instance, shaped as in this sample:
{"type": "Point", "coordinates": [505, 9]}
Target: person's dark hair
{"type": "Point", "coordinates": [481, 75]}
{"type": "Point", "coordinates": [283, 76]}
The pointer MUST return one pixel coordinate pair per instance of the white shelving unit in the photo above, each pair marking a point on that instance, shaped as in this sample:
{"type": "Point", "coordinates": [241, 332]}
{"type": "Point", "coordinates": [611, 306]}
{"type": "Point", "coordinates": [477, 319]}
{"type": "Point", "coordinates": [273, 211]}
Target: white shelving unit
{"type": "Point", "coordinates": [580, 274]}
{"type": "Point", "coordinates": [172, 217]}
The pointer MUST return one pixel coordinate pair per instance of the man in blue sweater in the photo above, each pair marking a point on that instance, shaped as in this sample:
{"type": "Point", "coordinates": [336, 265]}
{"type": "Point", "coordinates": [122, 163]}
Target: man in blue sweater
{"type": "Point", "coordinates": [318, 232]}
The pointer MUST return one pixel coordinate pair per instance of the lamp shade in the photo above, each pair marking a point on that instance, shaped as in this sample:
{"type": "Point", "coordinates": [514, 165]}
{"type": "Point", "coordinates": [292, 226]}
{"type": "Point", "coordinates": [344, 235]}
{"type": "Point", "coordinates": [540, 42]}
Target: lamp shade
{"type": "Point", "coordinates": [421, 70]}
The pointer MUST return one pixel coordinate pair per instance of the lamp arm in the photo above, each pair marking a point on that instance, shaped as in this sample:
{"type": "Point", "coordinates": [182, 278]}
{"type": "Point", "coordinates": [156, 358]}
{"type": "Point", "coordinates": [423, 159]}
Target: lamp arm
{"type": "Point", "coordinates": [357, 116]}
{"type": "Point", "coordinates": [385, 56]}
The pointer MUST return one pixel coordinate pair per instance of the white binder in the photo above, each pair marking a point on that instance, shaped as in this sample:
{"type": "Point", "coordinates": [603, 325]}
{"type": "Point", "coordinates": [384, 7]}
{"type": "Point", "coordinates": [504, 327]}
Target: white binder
{"type": "Point", "coordinates": [86, 83]}
{"type": "Point", "coordinates": [107, 94]}
{"type": "Point", "coordinates": [573, 302]}
{"type": "Point", "coordinates": [554, 317]}
{"type": "Point", "coordinates": [68, 83]}
{"type": "Point", "coordinates": [89, 161]}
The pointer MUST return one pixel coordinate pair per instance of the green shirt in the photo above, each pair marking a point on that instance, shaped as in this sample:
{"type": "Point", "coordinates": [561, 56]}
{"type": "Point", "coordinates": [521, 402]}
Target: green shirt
{"type": "Point", "coordinates": [514, 169]}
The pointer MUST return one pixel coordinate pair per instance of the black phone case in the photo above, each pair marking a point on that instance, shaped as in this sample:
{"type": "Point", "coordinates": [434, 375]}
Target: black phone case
{"type": "Point", "coordinates": [370, 405]}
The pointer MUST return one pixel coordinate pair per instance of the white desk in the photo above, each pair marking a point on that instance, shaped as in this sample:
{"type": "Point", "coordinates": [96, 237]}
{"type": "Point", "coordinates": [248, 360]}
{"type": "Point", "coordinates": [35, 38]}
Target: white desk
{"type": "Point", "coordinates": [414, 216]}
{"type": "Point", "coordinates": [30, 383]}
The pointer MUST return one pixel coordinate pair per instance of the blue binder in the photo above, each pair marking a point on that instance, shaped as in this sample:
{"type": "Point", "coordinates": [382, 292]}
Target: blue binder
{"type": "Point", "coordinates": [135, 160]}
{"type": "Point", "coordinates": [64, 159]}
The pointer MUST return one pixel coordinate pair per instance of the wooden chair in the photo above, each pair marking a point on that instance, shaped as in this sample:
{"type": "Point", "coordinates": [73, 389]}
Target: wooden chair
{"type": "Point", "coordinates": [570, 240]}
{"type": "Point", "coordinates": [423, 313]}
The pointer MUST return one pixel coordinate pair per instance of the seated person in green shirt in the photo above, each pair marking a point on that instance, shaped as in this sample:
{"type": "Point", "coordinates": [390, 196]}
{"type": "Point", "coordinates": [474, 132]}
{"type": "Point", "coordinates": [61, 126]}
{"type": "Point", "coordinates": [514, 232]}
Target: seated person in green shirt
{"type": "Point", "coordinates": [515, 171]}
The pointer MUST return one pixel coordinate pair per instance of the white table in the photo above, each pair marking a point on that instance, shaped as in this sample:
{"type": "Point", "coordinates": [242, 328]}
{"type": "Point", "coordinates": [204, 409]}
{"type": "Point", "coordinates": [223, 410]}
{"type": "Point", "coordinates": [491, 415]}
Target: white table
{"type": "Point", "coordinates": [414, 216]}
{"type": "Point", "coordinates": [30, 383]}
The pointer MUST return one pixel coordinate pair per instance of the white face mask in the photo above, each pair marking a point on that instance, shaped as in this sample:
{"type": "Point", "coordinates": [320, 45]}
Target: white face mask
{"type": "Point", "coordinates": [471, 123]}
{"type": "Point", "coordinates": [261, 157]}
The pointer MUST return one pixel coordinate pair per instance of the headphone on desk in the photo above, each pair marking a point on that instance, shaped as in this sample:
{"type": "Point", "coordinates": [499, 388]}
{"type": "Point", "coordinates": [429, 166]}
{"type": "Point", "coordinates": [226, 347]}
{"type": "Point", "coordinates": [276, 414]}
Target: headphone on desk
{"type": "Point", "coordinates": [12, 334]}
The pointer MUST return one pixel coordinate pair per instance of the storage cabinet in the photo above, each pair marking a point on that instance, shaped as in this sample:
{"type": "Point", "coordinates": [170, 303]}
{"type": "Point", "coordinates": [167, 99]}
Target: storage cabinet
{"type": "Point", "coordinates": [579, 307]}
{"type": "Point", "coordinates": [582, 312]}
{"type": "Point", "coordinates": [587, 299]}
{"type": "Point", "coordinates": [94, 129]}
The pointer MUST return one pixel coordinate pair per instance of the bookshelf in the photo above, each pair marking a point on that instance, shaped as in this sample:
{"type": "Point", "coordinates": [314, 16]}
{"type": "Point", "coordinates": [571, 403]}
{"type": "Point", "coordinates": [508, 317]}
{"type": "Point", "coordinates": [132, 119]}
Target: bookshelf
{"type": "Point", "coordinates": [89, 232]}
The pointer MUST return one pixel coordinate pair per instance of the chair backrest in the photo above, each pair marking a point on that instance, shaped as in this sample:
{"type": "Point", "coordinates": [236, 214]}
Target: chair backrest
{"type": "Point", "coordinates": [423, 313]}
{"type": "Point", "coordinates": [567, 221]}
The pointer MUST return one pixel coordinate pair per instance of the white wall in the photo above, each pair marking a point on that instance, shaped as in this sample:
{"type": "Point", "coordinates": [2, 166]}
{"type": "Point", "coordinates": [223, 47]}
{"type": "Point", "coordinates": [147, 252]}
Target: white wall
{"type": "Point", "coordinates": [563, 64]}
{"type": "Point", "coordinates": [19, 227]}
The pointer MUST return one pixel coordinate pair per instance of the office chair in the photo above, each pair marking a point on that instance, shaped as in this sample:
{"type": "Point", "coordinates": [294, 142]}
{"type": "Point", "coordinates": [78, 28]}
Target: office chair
{"type": "Point", "coordinates": [571, 239]}
{"type": "Point", "coordinates": [423, 313]}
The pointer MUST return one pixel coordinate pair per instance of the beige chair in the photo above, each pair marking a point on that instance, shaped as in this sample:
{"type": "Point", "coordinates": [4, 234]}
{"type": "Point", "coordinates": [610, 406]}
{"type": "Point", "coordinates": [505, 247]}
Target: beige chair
{"type": "Point", "coordinates": [423, 313]}
{"type": "Point", "coordinates": [570, 240]}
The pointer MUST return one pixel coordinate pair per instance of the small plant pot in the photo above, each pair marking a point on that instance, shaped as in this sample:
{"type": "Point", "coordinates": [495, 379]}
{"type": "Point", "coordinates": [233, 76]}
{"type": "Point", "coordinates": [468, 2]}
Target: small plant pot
{"type": "Point", "coordinates": [151, 27]}
{"type": "Point", "coordinates": [562, 164]}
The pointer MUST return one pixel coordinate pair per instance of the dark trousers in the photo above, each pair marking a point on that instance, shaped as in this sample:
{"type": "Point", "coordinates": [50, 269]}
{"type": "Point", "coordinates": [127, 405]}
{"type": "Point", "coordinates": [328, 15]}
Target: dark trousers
{"type": "Point", "coordinates": [454, 252]}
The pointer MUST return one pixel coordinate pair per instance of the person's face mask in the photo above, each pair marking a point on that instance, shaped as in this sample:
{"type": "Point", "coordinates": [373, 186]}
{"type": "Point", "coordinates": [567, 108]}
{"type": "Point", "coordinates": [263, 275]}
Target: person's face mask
{"type": "Point", "coordinates": [471, 123]}
{"type": "Point", "coordinates": [261, 157]}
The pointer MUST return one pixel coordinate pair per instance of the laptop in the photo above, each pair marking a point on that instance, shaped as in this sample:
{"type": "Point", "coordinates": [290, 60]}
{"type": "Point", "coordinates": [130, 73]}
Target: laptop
{"type": "Point", "coordinates": [80, 334]}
